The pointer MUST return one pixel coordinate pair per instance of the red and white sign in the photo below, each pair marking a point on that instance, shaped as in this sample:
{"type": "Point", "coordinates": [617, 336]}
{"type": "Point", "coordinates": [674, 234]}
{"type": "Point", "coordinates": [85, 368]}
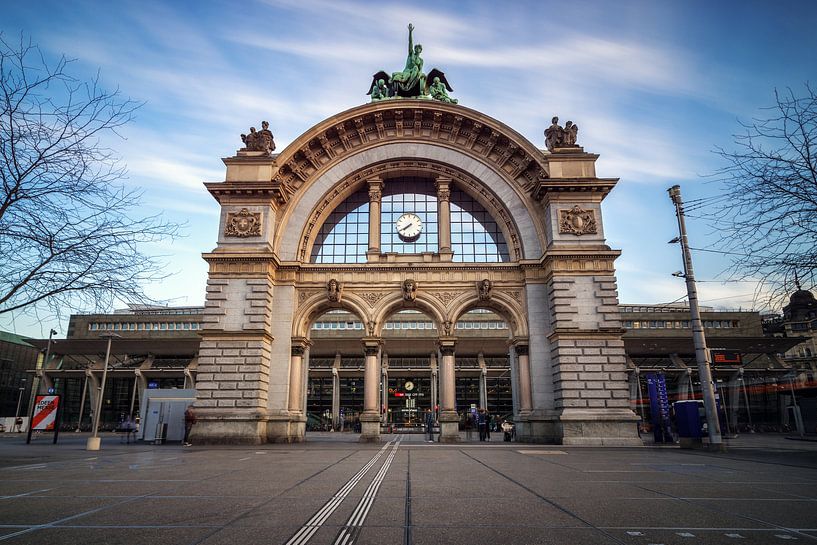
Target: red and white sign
{"type": "Point", "coordinates": [45, 413]}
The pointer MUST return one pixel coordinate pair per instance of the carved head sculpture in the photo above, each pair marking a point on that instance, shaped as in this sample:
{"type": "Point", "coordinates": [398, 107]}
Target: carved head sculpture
{"type": "Point", "coordinates": [485, 289]}
{"type": "Point", "coordinates": [409, 290]}
{"type": "Point", "coordinates": [555, 121]}
{"type": "Point", "coordinates": [264, 125]}
{"type": "Point", "coordinates": [333, 289]}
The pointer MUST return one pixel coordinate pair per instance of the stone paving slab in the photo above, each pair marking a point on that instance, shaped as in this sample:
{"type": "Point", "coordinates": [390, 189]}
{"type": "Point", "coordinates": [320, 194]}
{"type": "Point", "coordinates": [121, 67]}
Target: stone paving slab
{"type": "Point", "coordinates": [761, 492]}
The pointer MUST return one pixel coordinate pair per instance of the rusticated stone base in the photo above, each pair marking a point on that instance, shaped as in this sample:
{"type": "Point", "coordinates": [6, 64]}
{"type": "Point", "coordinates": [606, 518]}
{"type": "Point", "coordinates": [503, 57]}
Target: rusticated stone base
{"type": "Point", "coordinates": [369, 428]}
{"type": "Point", "coordinates": [219, 427]}
{"type": "Point", "coordinates": [613, 428]}
{"type": "Point", "coordinates": [600, 428]}
{"type": "Point", "coordinates": [286, 429]}
{"type": "Point", "coordinates": [449, 427]}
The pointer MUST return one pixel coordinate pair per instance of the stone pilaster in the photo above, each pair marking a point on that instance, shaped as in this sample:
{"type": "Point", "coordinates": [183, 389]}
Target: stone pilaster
{"type": "Point", "coordinates": [449, 419]}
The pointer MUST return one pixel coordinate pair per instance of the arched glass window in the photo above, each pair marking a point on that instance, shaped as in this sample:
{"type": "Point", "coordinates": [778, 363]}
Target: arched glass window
{"type": "Point", "coordinates": [344, 236]}
{"type": "Point", "coordinates": [475, 236]}
{"type": "Point", "coordinates": [409, 196]}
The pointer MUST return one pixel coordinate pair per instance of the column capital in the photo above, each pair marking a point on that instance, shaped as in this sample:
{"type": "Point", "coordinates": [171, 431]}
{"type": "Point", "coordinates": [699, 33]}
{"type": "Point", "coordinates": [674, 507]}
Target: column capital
{"type": "Point", "coordinates": [299, 345]}
{"type": "Point", "coordinates": [375, 189]}
{"type": "Point", "coordinates": [443, 186]}
{"type": "Point", "coordinates": [447, 345]}
{"type": "Point", "coordinates": [371, 345]}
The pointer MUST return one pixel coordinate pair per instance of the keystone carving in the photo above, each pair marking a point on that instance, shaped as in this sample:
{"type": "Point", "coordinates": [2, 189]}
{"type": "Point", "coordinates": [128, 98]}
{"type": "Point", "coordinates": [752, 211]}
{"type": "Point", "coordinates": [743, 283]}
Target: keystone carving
{"type": "Point", "coordinates": [334, 290]}
{"type": "Point", "coordinates": [243, 224]}
{"type": "Point", "coordinates": [577, 221]}
{"type": "Point", "coordinates": [484, 290]}
{"type": "Point", "coordinates": [409, 290]}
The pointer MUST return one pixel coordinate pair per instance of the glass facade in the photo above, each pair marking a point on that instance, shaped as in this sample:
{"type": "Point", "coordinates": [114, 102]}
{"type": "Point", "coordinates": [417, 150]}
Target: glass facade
{"type": "Point", "coordinates": [475, 236]}
{"type": "Point", "coordinates": [409, 196]}
{"type": "Point", "coordinates": [344, 236]}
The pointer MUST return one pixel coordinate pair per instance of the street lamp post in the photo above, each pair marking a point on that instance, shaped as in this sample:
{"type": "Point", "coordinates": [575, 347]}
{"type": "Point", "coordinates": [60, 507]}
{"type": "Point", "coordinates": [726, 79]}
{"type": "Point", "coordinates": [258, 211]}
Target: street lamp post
{"type": "Point", "coordinates": [94, 442]}
{"type": "Point", "coordinates": [701, 353]}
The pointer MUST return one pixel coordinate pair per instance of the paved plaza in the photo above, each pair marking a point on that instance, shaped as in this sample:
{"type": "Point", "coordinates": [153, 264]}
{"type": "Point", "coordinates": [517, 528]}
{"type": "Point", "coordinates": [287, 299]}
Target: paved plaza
{"type": "Point", "coordinates": [405, 490]}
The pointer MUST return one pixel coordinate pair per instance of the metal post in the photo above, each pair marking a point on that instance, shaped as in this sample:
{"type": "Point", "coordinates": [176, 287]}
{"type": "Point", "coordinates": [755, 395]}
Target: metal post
{"type": "Point", "coordinates": [82, 403]}
{"type": "Point", "coordinates": [19, 403]}
{"type": "Point", "coordinates": [701, 353]}
{"type": "Point", "coordinates": [35, 384]}
{"type": "Point", "coordinates": [94, 442]}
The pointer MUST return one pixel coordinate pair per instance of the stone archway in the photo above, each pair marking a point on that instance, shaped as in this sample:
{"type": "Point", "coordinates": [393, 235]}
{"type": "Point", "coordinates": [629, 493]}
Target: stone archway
{"type": "Point", "coordinates": [558, 288]}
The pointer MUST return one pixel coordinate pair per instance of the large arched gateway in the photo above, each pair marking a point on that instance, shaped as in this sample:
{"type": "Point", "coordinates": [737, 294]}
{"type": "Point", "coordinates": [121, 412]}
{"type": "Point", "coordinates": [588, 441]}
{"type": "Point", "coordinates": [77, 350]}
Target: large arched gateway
{"type": "Point", "coordinates": [413, 205]}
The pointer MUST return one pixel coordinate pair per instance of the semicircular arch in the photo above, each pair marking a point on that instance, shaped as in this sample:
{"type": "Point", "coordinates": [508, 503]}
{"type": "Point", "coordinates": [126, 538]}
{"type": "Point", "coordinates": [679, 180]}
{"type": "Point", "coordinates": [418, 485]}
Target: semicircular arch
{"type": "Point", "coordinates": [317, 305]}
{"type": "Point", "coordinates": [356, 181]}
{"type": "Point", "coordinates": [501, 303]}
{"type": "Point", "coordinates": [304, 211]}
{"type": "Point", "coordinates": [395, 303]}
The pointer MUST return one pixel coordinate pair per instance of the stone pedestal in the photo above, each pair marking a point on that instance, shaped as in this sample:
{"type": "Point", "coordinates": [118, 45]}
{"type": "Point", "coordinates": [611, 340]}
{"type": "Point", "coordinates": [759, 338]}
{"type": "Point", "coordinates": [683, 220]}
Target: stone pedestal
{"type": "Point", "coordinates": [228, 427]}
{"type": "Point", "coordinates": [618, 428]}
{"type": "Point", "coordinates": [369, 428]}
{"type": "Point", "coordinates": [449, 427]}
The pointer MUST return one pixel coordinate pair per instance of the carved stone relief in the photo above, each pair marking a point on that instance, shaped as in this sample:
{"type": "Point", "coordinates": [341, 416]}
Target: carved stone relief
{"type": "Point", "coordinates": [334, 291]}
{"type": "Point", "coordinates": [445, 297]}
{"type": "Point", "coordinates": [372, 297]}
{"type": "Point", "coordinates": [484, 290]}
{"type": "Point", "coordinates": [577, 221]}
{"type": "Point", "coordinates": [409, 290]}
{"type": "Point", "coordinates": [243, 224]}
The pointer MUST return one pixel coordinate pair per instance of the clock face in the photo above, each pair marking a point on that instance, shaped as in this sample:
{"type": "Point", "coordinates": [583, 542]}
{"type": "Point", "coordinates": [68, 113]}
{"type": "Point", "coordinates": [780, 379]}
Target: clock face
{"type": "Point", "coordinates": [409, 226]}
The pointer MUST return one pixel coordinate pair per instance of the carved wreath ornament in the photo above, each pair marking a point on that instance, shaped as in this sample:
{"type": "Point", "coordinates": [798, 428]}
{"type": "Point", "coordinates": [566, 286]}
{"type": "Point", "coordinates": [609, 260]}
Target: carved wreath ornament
{"type": "Point", "coordinates": [577, 221]}
{"type": "Point", "coordinates": [243, 224]}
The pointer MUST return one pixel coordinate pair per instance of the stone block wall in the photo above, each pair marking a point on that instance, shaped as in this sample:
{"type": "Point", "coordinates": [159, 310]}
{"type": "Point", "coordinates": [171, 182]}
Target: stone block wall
{"type": "Point", "coordinates": [589, 373]}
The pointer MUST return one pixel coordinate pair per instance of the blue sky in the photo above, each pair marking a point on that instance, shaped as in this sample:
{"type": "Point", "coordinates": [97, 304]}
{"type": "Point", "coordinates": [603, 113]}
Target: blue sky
{"type": "Point", "coordinates": [654, 86]}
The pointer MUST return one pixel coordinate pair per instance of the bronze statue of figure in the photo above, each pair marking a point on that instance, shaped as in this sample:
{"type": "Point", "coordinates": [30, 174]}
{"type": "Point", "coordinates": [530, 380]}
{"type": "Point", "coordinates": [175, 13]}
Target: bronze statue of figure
{"type": "Point", "coordinates": [412, 75]}
{"type": "Point", "coordinates": [439, 90]}
{"type": "Point", "coordinates": [379, 90]}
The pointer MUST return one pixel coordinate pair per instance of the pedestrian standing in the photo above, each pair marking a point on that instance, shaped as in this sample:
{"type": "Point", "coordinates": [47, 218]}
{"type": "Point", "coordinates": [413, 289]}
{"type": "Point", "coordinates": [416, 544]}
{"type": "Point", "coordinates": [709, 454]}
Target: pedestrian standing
{"type": "Point", "coordinates": [189, 420]}
{"type": "Point", "coordinates": [482, 424]}
{"type": "Point", "coordinates": [469, 426]}
{"type": "Point", "coordinates": [429, 426]}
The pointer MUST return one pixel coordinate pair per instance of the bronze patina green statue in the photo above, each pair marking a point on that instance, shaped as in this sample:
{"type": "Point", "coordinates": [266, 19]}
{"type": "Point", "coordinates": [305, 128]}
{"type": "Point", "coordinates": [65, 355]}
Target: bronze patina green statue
{"type": "Point", "coordinates": [438, 91]}
{"type": "Point", "coordinates": [412, 75]}
{"type": "Point", "coordinates": [412, 82]}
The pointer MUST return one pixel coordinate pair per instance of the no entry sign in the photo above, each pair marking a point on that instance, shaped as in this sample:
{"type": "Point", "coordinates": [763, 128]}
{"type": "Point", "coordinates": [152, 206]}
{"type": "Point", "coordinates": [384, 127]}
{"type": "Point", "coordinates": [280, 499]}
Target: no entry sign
{"type": "Point", "coordinates": [45, 412]}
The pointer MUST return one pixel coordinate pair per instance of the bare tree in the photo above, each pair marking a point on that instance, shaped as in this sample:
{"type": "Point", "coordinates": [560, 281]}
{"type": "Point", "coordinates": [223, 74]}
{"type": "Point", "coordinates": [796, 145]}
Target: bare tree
{"type": "Point", "coordinates": [766, 213]}
{"type": "Point", "coordinates": [70, 233]}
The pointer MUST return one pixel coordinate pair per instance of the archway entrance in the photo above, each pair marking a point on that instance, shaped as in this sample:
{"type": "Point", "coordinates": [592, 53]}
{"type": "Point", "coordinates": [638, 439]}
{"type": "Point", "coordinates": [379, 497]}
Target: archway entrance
{"type": "Point", "coordinates": [412, 205]}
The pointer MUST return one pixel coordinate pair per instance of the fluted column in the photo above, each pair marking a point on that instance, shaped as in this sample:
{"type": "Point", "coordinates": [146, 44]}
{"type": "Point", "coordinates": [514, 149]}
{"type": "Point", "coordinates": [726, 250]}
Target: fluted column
{"type": "Point", "coordinates": [370, 418]}
{"type": "Point", "coordinates": [443, 185]}
{"type": "Point", "coordinates": [375, 194]}
{"type": "Point", "coordinates": [449, 420]}
{"type": "Point", "coordinates": [523, 362]}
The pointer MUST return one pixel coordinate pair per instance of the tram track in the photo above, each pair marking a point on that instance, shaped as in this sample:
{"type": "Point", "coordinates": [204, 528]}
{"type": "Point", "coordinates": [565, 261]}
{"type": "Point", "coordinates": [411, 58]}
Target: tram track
{"type": "Point", "coordinates": [311, 527]}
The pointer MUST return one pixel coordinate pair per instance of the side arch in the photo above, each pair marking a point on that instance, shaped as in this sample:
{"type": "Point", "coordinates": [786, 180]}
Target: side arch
{"type": "Point", "coordinates": [317, 305]}
{"type": "Point", "coordinates": [502, 304]}
{"type": "Point", "coordinates": [395, 303]}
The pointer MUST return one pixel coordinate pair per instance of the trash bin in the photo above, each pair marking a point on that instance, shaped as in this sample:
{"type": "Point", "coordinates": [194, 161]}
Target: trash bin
{"type": "Point", "coordinates": [688, 423]}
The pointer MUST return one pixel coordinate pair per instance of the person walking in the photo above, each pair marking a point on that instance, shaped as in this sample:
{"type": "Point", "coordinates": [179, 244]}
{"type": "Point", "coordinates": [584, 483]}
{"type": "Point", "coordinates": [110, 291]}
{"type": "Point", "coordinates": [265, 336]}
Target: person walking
{"type": "Point", "coordinates": [429, 426]}
{"type": "Point", "coordinates": [469, 426]}
{"type": "Point", "coordinates": [189, 420]}
{"type": "Point", "coordinates": [482, 424]}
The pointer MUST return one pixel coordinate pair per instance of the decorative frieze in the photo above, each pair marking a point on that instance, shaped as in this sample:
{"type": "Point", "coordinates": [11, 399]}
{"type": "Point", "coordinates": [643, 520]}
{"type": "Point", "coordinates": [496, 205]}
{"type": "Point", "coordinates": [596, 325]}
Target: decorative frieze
{"type": "Point", "coordinates": [445, 297]}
